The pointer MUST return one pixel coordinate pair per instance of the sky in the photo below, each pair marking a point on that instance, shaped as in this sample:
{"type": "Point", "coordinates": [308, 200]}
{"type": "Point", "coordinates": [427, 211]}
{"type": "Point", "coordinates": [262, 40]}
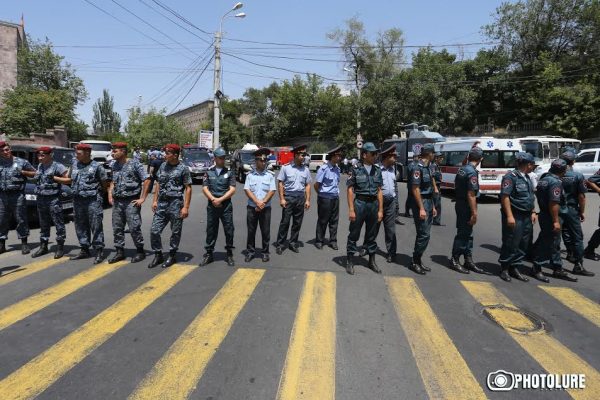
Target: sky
{"type": "Point", "coordinates": [132, 49]}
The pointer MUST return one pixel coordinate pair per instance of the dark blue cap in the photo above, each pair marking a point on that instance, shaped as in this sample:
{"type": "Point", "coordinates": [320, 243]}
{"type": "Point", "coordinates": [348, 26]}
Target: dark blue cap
{"type": "Point", "coordinates": [438, 154]}
{"type": "Point", "coordinates": [475, 153]}
{"type": "Point", "coordinates": [219, 152]}
{"type": "Point", "coordinates": [427, 148]}
{"type": "Point", "coordinates": [558, 166]}
{"type": "Point", "coordinates": [568, 156]}
{"type": "Point", "coordinates": [369, 146]}
{"type": "Point", "coordinates": [524, 157]}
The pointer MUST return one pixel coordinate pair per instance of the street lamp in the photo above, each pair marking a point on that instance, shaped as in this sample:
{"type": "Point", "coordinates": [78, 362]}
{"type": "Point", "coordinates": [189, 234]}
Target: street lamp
{"type": "Point", "coordinates": [217, 81]}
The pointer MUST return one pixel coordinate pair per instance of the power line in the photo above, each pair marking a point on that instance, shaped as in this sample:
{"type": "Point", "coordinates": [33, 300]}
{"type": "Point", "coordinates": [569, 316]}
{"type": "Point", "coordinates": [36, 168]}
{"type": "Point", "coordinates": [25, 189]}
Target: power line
{"type": "Point", "coordinates": [193, 86]}
{"type": "Point", "coordinates": [179, 16]}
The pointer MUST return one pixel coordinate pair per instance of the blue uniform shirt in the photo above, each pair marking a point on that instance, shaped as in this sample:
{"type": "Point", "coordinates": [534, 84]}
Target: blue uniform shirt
{"type": "Point", "coordinates": [573, 185]}
{"type": "Point", "coordinates": [519, 189]}
{"type": "Point", "coordinates": [329, 178]}
{"type": "Point", "coordinates": [467, 178]}
{"type": "Point", "coordinates": [44, 177]}
{"type": "Point", "coordinates": [11, 177]}
{"type": "Point", "coordinates": [128, 178]}
{"type": "Point", "coordinates": [388, 176]}
{"type": "Point", "coordinates": [294, 178]}
{"type": "Point", "coordinates": [260, 184]}
{"type": "Point", "coordinates": [87, 178]}
{"type": "Point", "coordinates": [549, 189]}
{"type": "Point", "coordinates": [363, 182]}
{"type": "Point", "coordinates": [422, 176]}
{"type": "Point", "coordinates": [172, 180]}
{"type": "Point", "coordinates": [219, 182]}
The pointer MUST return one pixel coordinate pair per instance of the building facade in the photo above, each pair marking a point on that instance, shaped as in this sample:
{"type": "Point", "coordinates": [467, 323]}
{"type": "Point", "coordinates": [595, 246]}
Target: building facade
{"type": "Point", "coordinates": [193, 117]}
{"type": "Point", "coordinates": [12, 38]}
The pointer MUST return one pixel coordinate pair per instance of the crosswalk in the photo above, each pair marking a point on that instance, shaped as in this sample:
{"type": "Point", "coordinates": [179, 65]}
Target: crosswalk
{"type": "Point", "coordinates": [309, 368]}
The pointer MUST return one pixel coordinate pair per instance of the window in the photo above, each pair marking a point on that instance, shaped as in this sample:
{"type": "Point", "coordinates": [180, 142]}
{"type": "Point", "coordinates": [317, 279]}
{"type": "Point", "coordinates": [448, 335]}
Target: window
{"type": "Point", "coordinates": [535, 149]}
{"type": "Point", "coordinates": [498, 159]}
{"type": "Point", "coordinates": [586, 157]}
{"type": "Point", "coordinates": [316, 157]}
{"type": "Point", "coordinates": [455, 158]}
{"type": "Point", "coordinates": [554, 150]}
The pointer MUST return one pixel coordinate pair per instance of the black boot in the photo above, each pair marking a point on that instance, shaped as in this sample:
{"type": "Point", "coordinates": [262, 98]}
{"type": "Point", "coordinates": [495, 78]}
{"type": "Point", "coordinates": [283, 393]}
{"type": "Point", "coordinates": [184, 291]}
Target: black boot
{"type": "Point", "coordinates": [423, 266]}
{"type": "Point", "coordinates": [455, 264]}
{"type": "Point", "coordinates": [60, 250]}
{"type": "Point", "coordinates": [562, 274]}
{"type": "Point", "coordinates": [349, 264]}
{"type": "Point", "coordinates": [2, 246]}
{"type": "Point", "coordinates": [43, 249]}
{"type": "Point", "coordinates": [579, 270]}
{"type": "Point", "coordinates": [99, 255]}
{"type": "Point", "coordinates": [514, 272]}
{"type": "Point", "coordinates": [373, 265]}
{"type": "Point", "coordinates": [84, 252]}
{"type": "Point", "coordinates": [469, 264]}
{"type": "Point", "coordinates": [416, 266]}
{"type": "Point", "coordinates": [119, 256]}
{"type": "Point", "coordinates": [207, 258]}
{"type": "Point", "coordinates": [172, 259]}
{"type": "Point", "coordinates": [139, 255]}
{"type": "Point", "coordinates": [504, 273]}
{"type": "Point", "coordinates": [590, 254]}
{"type": "Point", "coordinates": [537, 274]}
{"type": "Point", "coordinates": [24, 246]}
{"type": "Point", "coordinates": [158, 259]}
{"type": "Point", "coordinates": [230, 261]}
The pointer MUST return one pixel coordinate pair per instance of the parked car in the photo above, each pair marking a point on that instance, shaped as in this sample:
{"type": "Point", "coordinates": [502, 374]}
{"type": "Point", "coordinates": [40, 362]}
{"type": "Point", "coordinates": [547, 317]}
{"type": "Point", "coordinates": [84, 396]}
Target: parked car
{"type": "Point", "coordinates": [317, 161]}
{"type": "Point", "coordinates": [62, 155]}
{"type": "Point", "coordinates": [589, 144]}
{"type": "Point", "coordinates": [242, 162]}
{"type": "Point", "coordinates": [587, 162]}
{"type": "Point", "coordinates": [198, 160]}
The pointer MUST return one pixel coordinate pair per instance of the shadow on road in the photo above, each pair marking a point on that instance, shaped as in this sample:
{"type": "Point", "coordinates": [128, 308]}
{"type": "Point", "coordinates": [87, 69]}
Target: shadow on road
{"type": "Point", "coordinates": [491, 247]}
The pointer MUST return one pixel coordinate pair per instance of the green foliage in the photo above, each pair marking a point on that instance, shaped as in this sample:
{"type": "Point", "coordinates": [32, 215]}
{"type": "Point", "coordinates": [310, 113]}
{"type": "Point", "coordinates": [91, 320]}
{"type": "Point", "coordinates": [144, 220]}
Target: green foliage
{"type": "Point", "coordinates": [153, 128]}
{"type": "Point", "coordinates": [105, 121]}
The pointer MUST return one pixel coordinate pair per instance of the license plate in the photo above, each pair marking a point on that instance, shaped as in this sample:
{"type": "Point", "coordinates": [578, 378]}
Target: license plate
{"type": "Point", "coordinates": [489, 177]}
{"type": "Point", "coordinates": [66, 206]}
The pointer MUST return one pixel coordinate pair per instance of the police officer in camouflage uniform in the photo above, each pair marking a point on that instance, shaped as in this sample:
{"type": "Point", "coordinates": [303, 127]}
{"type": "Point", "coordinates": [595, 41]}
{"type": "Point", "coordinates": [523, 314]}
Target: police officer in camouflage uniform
{"type": "Point", "coordinates": [518, 216]}
{"type": "Point", "coordinates": [423, 188]}
{"type": "Point", "coordinates": [437, 197]}
{"type": "Point", "coordinates": [127, 192]}
{"type": "Point", "coordinates": [466, 188]}
{"type": "Point", "coordinates": [365, 206]}
{"type": "Point", "coordinates": [87, 178]}
{"type": "Point", "coordinates": [328, 198]}
{"type": "Point", "coordinates": [171, 203]}
{"type": "Point", "coordinates": [572, 214]}
{"type": "Point", "coordinates": [550, 198]}
{"type": "Point", "coordinates": [49, 205]}
{"type": "Point", "coordinates": [390, 199]}
{"type": "Point", "coordinates": [219, 187]}
{"type": "Point", "coordinates": [14, 172]}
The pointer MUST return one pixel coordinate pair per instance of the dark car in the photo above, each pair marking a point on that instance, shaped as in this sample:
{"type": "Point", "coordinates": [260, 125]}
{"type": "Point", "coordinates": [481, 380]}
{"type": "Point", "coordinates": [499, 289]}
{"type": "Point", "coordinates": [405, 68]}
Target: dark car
{"type": "Point", "coordinates": [198, 160]}
{"type": "Point", "coordinates": [242, 162]}
{"type": "Point", "coordinates": [62, 155]}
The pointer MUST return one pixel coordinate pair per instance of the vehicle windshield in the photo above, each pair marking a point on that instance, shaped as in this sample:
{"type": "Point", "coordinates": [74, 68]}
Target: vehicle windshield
{"type": "Point", "coordinates": [535, 149]}
{"type": "Point", "coordinates": [247, 158]}
{"type": "Point", "coordinates": [196, 156]}
{"type": "Point", "coordinates": [499, 159]}
{"type": "Point", "coordinates": [101, 146]}
{"type": "Point", "coordinates": [65, 157]}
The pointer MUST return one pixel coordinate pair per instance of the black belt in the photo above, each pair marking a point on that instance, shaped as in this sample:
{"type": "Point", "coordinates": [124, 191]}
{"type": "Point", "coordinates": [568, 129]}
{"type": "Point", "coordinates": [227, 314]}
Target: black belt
{"type": "Point", "coordinates": [367, 198]}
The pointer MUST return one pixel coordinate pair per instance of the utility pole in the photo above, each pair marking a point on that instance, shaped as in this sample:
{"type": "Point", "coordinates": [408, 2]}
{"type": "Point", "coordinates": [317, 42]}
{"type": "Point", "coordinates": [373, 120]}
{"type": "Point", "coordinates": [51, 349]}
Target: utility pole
{"type": "Point", "coordinates": [217, 90]}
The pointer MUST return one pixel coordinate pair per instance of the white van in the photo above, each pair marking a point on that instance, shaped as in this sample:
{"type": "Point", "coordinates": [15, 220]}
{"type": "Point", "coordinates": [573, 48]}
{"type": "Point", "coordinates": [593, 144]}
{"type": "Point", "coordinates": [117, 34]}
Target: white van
{"type": "Point", "coordinates": [101, 150]}
{"type": "Point", "coordinates": [317, 161]}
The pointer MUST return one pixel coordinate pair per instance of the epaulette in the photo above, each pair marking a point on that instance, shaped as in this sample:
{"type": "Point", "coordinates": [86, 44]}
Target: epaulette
{"type": "Point", "coordinates": [513, 173]}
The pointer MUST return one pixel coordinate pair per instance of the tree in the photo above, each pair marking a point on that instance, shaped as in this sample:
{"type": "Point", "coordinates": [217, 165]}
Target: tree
{"type": "Point", "coordinates": [105, 120]}
{"type": "Point", "coordinates": [153, 128]}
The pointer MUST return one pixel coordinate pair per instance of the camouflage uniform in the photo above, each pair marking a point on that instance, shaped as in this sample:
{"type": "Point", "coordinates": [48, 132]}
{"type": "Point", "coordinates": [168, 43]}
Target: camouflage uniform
{"type": "Point", "coordinates": [128, 179]}
{"type": "Point", "coordinates": [48, 201]}
{"type": "Point", "coordinates": [87, 203]}
{"type": "Point", "coordinates": [12, 195]}
{"type": "Point", "coordinates": [172, 180]}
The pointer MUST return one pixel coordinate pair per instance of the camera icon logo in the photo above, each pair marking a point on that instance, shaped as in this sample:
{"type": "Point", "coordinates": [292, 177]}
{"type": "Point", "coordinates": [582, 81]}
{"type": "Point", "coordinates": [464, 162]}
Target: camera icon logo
{"type": "Point", "coordinates": [500, 381]}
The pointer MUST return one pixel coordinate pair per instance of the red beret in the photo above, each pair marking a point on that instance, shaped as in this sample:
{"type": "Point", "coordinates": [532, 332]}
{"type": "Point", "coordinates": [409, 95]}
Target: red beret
{"type": "Point", "coordinates": [119, 145]}
{"type": "Point", "coordinates": [173, 147]}
{"type": "Point", "coordinates": [44, 149]}
{"type": "Point", "coordinates": [3, 144]}
{"type": "Point", "coordinates": [83, 146]}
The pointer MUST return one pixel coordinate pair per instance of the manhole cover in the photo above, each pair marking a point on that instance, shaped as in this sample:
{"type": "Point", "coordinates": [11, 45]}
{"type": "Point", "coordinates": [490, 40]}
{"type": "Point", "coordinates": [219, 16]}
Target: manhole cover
{"type": "Point", "coordinates": [515, 319]}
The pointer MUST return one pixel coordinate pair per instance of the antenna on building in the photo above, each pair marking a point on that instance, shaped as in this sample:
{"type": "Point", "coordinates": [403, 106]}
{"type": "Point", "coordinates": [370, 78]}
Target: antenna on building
{"type": "Point", "coordinates": [22, 21]}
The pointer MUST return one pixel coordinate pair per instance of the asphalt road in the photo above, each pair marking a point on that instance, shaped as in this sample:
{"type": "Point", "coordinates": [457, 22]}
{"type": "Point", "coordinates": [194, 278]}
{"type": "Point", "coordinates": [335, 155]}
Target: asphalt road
{"type": "Point", "coordinates": [296, 327]}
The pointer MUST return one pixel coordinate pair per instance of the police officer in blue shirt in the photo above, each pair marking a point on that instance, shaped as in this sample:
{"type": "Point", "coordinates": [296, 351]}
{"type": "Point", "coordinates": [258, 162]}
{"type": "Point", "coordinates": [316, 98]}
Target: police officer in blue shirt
{"type": "Point", "coordinates": [14, 172]}
{"type": "Point", "coordinates": [423, 187]}
{"type": "Point", "coordinates": [260, 188]}
{"type": "Point", "coordinates": [572, 214]}
{"type": "Point", "coordinates": [437, 176]}
{"type": "Point", "coordinates": [550, 197]}
{"type": "Point", "coordinates": [328, 198]}
{"type": "Point", "coordinates": [48, 201]}
{"type": "Point", "coordinates": [365, 206]}
{"type": "Point", "coordinates": [518, 216]}
{"type": "Point", "coordinates": [466, 186]}
{"type": "Point", "coordinates": [294, 197]}
{"type": "Point", "coordinates": [219, 187]}
{"type": "Point", "coordinates": [390, 199]}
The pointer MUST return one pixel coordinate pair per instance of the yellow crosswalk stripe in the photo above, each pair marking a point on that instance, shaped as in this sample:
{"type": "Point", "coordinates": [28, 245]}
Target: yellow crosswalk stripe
{"type": "Point", "coordinates": [179, 370]}
{"type": "Point", "coordinates": [38, 301]}
{"type": "Point", "coordinates": [576, 302]}
{"type": "Point", "coordinates": [37, 375]}
{"type": "Point", "coordinates": [28, 269]}
{"type": "Point", "coordinates": [445, 373]}
{"type": "Point", "coordinates": [309, 370]}
{"type": "Point", "coordinates": [553, 356]}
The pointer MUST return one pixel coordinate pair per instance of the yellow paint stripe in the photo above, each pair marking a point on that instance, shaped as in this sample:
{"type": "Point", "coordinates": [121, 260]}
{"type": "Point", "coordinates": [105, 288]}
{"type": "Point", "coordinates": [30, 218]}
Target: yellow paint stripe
{"type": "Point", "coordinates": [179, 370]}
{"type": "Point", "coordinates": [28, 269]}
{"type": "Point", "coordinates": [37, 375]}
{"type": "Point", "coordinates": [309, 370]}
{"type": "Point", "coordinates": [553, 356]}
{"type": "Point", "coordinates": [38, 301]}
{"type": "Point", "coordinates": [445, 373]}
{"type": "Point", "coordinates": [576, 302]}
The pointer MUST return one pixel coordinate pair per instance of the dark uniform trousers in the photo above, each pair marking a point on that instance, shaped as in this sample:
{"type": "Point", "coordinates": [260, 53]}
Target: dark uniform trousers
{"type": "Point", "coordinates": [295, 210]}
{"type": "Point", "coordinates": [516, 241]}
{"type": "Point", "coordinates": [366, 213]}
{"type": "Point", "coordinates": [437, 203]}
{"type": "Point", "coordinates": [123, 210]}
{"type": "Point", "coordinates": [409, 203]}
{"type": "Point", "coordinates": [213, 215]}
{"type": "Point", "coordinates": [13, 203]}
{"type": "Point", "coordinates": [423, 226]}
{"type": "Point", "coordinates": [50, 210]}
{"type": "Point", "coordinates": [254, 218]}
{"type": "Point", "coordinates": [88, 221]}
{"type": "Point", "coordinates": [463, 241]}
{"type": "Point", "coordinates": [594, 241]}
{"type": "Point", "coordinates": [389, 224]}
{"type": "Point", "coordinates": [547, 246]}
{"type": "Point", "coordinates": [167, 211]}
{"type": "Point", "coordinates": [571, 232]}
{"type": "Point", "coordinates": [328, 211]}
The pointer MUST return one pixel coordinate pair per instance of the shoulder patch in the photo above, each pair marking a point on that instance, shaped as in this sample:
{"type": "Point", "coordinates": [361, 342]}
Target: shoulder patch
{"type": "Point", "coordinates": [556, 191]}
{"type": "Point", "coordinates": [417, 174]}
{"type": "Point", "coordinates": [474, 180]}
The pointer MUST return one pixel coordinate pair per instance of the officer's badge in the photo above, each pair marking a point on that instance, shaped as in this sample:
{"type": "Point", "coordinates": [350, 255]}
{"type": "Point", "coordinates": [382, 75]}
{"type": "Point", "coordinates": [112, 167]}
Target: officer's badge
{"type": "Point", "coordinates": [461, 172]}
{"type": "Point", "coordinates": [556, 192]}
{"type": "Point", "coordinates": [474, 180]}
{"type": "Point", "coordinates": [506, 183]}
{"type": "Point", "coordinates": [417, 174]}
{"type": "Point", "coordinates": [226, 175]}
